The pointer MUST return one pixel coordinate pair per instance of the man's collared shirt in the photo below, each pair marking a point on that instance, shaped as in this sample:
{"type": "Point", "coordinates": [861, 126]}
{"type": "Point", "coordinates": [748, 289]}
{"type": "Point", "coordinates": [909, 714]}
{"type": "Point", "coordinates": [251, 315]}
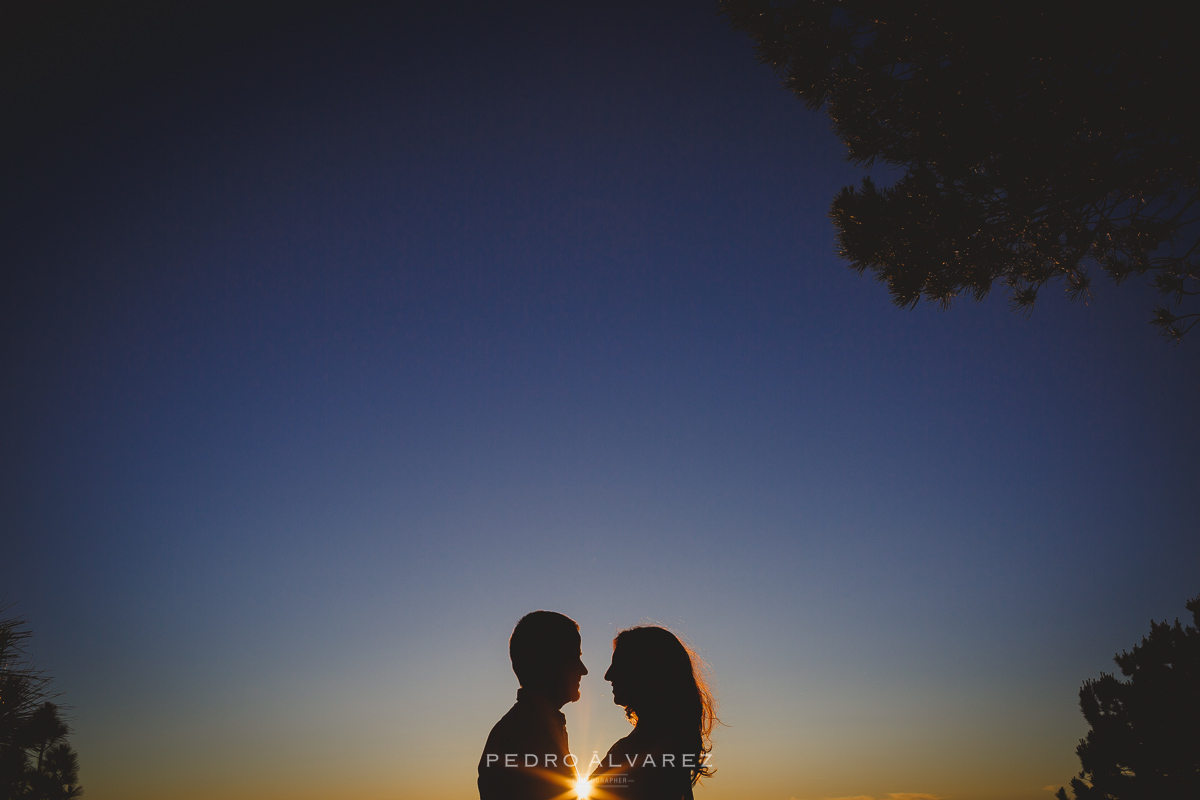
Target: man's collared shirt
{"type": "Point", "coordinates": [525, 757]}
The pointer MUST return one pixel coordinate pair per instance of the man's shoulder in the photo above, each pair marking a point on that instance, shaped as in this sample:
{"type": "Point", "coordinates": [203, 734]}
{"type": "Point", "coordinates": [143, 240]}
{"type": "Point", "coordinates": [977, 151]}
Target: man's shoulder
{"type": "Point", "coordinates": [522, 734]}
{"type": "Point", "coordinates": [518, 725]}
{"type": "Point", "coordinates": [512, 718]}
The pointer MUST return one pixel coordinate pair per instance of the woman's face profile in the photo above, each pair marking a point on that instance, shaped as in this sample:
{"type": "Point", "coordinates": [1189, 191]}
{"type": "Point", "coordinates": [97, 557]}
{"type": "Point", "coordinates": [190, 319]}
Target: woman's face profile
{"type": "Point", "coordinates": [620, 676]}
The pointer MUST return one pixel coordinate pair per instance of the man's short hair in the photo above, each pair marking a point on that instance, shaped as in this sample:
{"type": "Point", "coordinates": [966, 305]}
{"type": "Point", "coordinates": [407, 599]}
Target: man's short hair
{"type": "Point", "coordinates": [540, 641]}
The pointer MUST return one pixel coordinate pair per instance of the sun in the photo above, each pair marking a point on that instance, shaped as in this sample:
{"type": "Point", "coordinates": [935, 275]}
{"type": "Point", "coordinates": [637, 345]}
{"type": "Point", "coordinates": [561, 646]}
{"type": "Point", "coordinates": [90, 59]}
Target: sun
{"type": "Point", "coordinates": [583, 788]}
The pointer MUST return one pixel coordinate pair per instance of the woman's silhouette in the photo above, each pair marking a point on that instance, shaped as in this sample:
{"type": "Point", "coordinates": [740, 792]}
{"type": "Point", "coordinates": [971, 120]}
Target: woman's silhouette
{"type": "Point", "coordinates": [659, 682]}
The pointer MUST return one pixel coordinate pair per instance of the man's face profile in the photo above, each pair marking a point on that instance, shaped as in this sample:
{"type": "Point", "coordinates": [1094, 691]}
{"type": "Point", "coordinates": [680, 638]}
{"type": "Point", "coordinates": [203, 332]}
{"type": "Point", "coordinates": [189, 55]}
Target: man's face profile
{"type": "Point", "coordinates": [547, 656]}
{"type": "Point", "coordinates": [573, 671]}
{"type": "Point", "coordinates": [559, 679]}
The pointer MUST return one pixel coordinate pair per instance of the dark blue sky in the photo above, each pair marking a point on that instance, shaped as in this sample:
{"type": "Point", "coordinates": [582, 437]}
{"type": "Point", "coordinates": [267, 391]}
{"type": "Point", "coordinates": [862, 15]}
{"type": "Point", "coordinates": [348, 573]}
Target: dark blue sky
{"type": "Point", "coordinates": [334, 342]}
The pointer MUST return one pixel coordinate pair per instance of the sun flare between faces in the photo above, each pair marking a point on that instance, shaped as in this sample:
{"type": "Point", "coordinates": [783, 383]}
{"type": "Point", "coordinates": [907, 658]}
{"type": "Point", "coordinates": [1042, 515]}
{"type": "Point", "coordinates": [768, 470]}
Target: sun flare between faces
{"type": "Point", "coordinates": [583, 788]}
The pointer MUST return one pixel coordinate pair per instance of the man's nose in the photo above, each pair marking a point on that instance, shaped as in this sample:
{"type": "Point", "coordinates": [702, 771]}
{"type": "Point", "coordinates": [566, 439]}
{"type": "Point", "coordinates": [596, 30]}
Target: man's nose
{"type": "Point", "coordinates": [582, 667]}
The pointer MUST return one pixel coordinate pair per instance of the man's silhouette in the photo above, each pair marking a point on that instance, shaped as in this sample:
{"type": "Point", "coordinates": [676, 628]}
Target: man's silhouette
{"type": "Point", "coordinates": [525, 757]}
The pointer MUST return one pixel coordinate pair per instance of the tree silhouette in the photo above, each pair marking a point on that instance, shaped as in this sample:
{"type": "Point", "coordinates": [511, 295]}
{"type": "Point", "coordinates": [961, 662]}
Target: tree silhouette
{"type": "Point", "coordinates": [1145, 737]}
{"type": "Point", "coordinates": [36, 761]}
{"type": "Point", "coordinates": [1036, 142]}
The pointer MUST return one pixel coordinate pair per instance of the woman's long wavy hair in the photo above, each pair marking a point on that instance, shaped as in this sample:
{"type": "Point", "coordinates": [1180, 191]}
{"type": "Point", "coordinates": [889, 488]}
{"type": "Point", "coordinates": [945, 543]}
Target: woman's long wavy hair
{"type": "Point", "coordinates": [670, 689]}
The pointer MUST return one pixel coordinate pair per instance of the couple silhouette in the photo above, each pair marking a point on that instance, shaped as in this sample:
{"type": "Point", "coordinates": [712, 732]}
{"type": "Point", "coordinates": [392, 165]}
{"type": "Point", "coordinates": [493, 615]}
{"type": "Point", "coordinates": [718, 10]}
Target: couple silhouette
{"type": "Point", "coordinates": [654, 676]}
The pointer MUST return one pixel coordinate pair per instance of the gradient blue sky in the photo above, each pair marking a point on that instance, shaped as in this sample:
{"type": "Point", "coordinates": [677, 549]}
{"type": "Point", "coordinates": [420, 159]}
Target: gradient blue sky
{"type": "Point", "coordinates": [334, 343]}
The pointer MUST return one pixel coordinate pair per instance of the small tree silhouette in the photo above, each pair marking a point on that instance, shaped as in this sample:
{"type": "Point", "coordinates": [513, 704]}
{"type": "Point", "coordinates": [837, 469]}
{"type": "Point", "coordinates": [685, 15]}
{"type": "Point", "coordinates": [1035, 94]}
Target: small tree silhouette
{"type": "Point", "coordinates": [1145, 738]}
{"type": "Point", "coordinates": [36, 761]}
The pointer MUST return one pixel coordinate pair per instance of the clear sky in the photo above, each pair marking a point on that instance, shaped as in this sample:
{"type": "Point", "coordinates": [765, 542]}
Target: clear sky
{"type": "Point", "coordinates": [334, 343]}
